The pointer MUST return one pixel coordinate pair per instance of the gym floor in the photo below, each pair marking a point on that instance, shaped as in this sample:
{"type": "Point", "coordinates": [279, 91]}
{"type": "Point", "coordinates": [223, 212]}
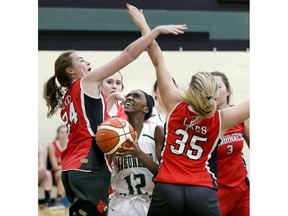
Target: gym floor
{"type": "Point", "coordinates": [57, 212]}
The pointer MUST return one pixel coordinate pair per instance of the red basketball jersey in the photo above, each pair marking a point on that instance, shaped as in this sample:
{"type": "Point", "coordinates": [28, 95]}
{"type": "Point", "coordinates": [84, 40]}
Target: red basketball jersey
{"type": "Point", "coordinates": [82, 114]}
{"type": "Point", "coordinates": [120, 112]}
{"type": "Point", "coordinates": [58, 151]}
{"type": "Point", "coordinates": [189, 155]}
{"type": "Point", "coordinates": [231, 165]}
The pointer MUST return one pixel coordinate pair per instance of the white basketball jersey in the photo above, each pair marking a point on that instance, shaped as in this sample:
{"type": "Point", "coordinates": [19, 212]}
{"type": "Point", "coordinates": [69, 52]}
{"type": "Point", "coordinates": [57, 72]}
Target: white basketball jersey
{"type": "Point", "coordinates": [155, 118]}
{"type": "Point", "coordinates": [129, 175]}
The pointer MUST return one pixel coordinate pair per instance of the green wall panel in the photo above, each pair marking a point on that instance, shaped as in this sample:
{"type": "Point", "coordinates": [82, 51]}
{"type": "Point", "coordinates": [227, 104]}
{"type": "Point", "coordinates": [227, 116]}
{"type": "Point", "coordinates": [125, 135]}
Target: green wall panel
{"type": "Point", "coordinates": [220, 25]}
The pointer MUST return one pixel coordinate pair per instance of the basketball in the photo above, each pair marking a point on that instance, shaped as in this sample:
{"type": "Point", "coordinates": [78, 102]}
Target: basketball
{"type": "Point", "coordinates": [112, 134]}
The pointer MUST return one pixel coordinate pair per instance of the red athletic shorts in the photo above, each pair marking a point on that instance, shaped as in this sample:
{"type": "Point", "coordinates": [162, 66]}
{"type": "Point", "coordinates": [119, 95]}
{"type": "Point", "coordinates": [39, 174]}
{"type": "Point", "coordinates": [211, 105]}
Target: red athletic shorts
{"type": "Point", "coordinates": [234, 201]}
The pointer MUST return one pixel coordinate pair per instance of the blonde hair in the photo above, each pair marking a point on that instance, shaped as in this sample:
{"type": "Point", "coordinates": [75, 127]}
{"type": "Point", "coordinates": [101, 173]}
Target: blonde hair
{"type": "Point", "coordinates": [201, 95]}
{"type": "Point", "coordinates": [121, 75]}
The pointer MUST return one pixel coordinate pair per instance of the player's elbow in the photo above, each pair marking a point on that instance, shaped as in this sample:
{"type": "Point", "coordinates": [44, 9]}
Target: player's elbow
{"type": "Point", "coordinates": [131, 54]}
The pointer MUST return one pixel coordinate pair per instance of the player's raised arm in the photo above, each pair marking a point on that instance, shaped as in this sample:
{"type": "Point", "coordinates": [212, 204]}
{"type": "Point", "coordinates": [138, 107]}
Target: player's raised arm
{"type": "Point", "coordinates": [234, 115]}
{"type": "Point", "coordinates": [169, 92]}
{"type": "Point", "coordinates": [129, 54]}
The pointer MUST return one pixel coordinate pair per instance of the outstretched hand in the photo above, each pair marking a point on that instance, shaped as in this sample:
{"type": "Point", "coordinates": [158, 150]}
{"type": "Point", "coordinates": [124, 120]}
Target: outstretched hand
{"type": "Point", "coordinates": [139, 19]}
{"type": "Point", "coordinates": [171, 29]}
{"type": "Point", "coordinates": [137, 16]}
{"type": "Point", "coordinates": [119, 96]}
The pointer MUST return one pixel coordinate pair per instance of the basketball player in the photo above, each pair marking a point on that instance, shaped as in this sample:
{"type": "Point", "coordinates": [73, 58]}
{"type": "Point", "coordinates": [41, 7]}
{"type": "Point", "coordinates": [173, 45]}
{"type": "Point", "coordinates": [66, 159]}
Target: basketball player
{"type": "Point", "coordinates": [233, 182]}
{"type": "Point", "coordinates": [45, 178]}
{"type": "Point", "coordinates": [186, 181]}
{"type": "Point", "coordinates": [133, 168]}
{"type": "Point", "coordinates": [112, 88]}
{"type": "Point", "coordinates": [55, 150]}
{"type": "Point", "coordinates": [75, 88]}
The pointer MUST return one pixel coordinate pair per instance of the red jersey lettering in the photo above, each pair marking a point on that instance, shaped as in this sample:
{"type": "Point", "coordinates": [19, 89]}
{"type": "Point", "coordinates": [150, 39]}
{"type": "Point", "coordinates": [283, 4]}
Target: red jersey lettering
{"type": "Point", "coordinates": [231, 165]}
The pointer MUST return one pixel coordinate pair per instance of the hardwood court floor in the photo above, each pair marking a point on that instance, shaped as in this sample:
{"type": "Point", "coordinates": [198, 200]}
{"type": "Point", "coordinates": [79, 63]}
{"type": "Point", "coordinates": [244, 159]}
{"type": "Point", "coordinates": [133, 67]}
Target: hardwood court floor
{"type": "Point", "coordinates": [58, 212]}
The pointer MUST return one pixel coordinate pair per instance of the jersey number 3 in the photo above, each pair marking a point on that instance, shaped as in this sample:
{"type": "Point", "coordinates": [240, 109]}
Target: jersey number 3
{"type": "Point", "coordinates": [195, 152]}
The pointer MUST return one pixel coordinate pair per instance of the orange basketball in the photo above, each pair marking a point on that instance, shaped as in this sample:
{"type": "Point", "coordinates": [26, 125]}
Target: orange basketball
{"type": "Point", "coordinates": [112, 134]}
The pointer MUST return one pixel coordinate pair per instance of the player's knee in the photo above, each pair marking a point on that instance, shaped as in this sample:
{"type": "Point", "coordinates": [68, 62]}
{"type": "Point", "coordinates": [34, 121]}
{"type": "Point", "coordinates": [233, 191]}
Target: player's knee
{"type": "Point", "coordinates": [41, 171]}
{"type": "Point", "coordinates": [48, 174]}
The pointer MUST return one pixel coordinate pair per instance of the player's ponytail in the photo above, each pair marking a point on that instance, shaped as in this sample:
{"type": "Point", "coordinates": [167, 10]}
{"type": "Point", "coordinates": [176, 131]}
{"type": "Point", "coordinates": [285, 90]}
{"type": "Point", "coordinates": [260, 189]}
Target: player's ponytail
{"type": "Point", "coordinates": [201, 95]}
{"type": "Point", "coordinates": [53, 91]}
{"type": "Point", "coordinates": [53, 96]}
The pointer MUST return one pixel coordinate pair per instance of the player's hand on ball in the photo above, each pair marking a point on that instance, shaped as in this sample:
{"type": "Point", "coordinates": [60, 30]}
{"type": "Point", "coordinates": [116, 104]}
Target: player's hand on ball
{"type": "Point", "coordinates": [134, 150]}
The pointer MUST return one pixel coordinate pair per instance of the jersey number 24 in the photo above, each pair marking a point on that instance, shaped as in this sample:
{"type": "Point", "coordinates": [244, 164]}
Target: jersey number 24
{"type": "Point", "coordinates": [71, 118]}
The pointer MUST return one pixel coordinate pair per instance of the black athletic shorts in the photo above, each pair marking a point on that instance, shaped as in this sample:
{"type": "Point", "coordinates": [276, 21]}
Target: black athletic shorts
{"type": "Point", "coordinates": [183, 200]}
{"type": "Point", "coordinates": [88, 186]}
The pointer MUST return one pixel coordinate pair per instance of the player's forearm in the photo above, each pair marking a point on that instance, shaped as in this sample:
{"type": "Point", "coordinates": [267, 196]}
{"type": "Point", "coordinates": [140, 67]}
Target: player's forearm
{"type": "Point", "coordinates": [149, 163]}
{"type": "Point", "coordinates": [110, 102]}
{"type": "Point", "coordinates": [153, 49]}
{"type": "Point", "coordinates": [138, 46]}
{"type": "Point", "coordinates": [145, 29]}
